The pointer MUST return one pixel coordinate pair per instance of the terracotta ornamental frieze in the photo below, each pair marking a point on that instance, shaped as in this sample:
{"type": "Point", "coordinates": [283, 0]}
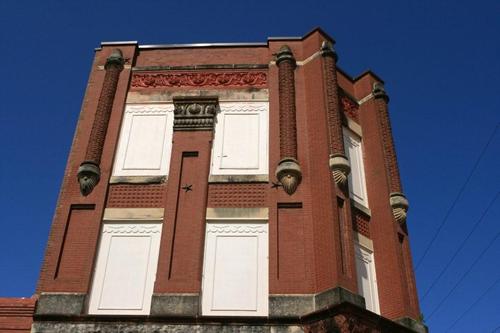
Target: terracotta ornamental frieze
{"type": "Point", "coordinates": [349, 107]}
{"type": "Point", "coordinates": [199, 79]}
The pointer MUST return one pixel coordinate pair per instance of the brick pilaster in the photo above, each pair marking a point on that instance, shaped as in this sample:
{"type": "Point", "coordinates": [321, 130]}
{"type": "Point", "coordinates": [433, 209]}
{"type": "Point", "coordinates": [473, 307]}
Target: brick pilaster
{"type": "Point", "coordinates": [89, 172]}
{"type": "Point", "coordinates": [398, 201]}
{"type": "Point", "coordinates": [288, 171]}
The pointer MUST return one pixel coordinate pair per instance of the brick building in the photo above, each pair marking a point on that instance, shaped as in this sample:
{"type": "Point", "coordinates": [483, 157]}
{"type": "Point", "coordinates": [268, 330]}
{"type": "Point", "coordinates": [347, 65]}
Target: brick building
{"type": "Point", "coordinates": [236, 187]}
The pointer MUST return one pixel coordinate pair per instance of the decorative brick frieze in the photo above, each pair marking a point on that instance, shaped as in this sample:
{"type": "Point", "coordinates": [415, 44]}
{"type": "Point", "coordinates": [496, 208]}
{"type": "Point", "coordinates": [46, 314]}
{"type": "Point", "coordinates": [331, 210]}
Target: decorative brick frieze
{"type": "Point", "coordinates": [339, 165]}
{"type": "Point", "coordinates": [194, 113]}
{"type": "Point", "coordinates": [257, 79]}
{"type": "Point", "coordinates": [360, 223]}
{"type": "Point", "coordinates": [89, 172]}
{"type": "Point", "coordinates": [288, 171]}
{"type": "Point", "coordinates": [398, 201]}
{"type": "Point", "coordinates": [237, 195]}
{"type": "Point", "coordinates": [136, 195]}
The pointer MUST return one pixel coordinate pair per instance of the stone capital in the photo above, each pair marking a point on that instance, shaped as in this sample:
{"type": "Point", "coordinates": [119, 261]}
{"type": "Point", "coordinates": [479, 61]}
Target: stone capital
{"type": "Point", "coordinates": [194, 113]}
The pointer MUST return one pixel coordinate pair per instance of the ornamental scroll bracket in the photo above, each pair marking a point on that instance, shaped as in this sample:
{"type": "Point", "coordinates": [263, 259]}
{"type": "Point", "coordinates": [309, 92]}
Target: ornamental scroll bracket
{"type": "Point", "coordinates": [195, 113]}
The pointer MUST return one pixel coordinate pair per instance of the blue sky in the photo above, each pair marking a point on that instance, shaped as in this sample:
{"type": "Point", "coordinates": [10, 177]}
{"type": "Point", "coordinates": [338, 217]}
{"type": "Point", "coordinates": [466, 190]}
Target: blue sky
{"type": "Point", "coordinates": [440, 61]}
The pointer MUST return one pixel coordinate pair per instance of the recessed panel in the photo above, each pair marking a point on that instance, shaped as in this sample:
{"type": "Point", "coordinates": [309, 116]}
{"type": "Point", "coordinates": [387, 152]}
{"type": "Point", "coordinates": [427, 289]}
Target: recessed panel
{"type": "Point", "coordinates": [235, 269]}
{"type": "Point", "coordinates": [126, 273]}
{"type": "Point", "coordinates": [144, 149]}
{"type": "Point", "coordinates": [240, 148]}
{"type": "Point", "coordinates": [235, 274]}
{"type": "Point", "coordinates": [125, 269]}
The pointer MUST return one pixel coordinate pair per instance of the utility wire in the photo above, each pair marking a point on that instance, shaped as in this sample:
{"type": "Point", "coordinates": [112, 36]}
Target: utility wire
{"type": "Point", "coordinates": [474, 304]}
{"type": "Point", "coordinates": [496, 329]}
{"type": "Point", "coordinates": [461, 246]}
{"type": "Point", "coordinates": [459, 194]}
{"type": "Point", "coordinates": [464, 275]}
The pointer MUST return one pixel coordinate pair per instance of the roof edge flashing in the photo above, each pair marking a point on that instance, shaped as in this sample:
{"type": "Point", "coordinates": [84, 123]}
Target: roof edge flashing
{"type": "Point", "coordinates": [200, 45]}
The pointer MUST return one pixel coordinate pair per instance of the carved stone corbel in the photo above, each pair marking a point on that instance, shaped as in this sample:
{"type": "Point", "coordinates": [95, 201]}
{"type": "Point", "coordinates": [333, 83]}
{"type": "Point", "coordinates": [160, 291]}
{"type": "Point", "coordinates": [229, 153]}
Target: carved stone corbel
{"type": "Point", "coordinates": [289, 174]}
{"type": "Point", "coordinates": [399, 205]}
{"type": "Point", "coordinates": [340, 168]}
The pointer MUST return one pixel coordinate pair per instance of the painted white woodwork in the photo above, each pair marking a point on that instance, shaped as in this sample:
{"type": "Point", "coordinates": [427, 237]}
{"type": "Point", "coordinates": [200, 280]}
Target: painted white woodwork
{"type": "Point", "coordinates": [367, 280]}
{"type": "Point", "coordinates": [235, 269]}
{"type": "Point", "coordinates": [125, 271]}
{"type": "Point", "coordinates": [354, 152]}
{"type": "Point", "coordinates": [241, 139]}
{"type": "Point", "coordinates": [145, 141]}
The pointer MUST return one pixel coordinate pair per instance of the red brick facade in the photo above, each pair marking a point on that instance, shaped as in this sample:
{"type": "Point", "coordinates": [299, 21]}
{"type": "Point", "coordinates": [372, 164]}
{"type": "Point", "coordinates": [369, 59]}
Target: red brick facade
{"type": "Point", "coordinates": [312, 229]}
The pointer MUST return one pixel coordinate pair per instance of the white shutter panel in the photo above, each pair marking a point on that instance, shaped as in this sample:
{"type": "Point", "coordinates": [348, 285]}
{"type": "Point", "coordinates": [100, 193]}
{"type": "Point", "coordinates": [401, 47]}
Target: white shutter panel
{"type": "Point", "coordinates": [241, 139]}
{"type": "Point", "coordinates": [235, 270]}
{"type": "Point", "coordinates": [145, 141]}
{"type": "Point", "coordinates": [367, 284]}
{"type": "Point", "coordinates": [240, 145]}
{"type": "Point", "coordinates": [357, 185]}
{"type": "Point", "coordinates": [125, 269]}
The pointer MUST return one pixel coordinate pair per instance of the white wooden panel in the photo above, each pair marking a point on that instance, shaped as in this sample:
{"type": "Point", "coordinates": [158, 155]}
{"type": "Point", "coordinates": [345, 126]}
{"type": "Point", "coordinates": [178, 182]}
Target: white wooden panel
{"type": "Point", "coordinates": [240, 145]}
{"type": "Point", "coordinates": [145, 141]}
{"type": "Point", "coordinates": [241, 139]}
{"type": "Point", "coordinates": [126, 268]}
{"type": "Point", "coordinates": [235, 270]}
{"type": "Point", "coordinates": [354, 152]}
{"type": "Point", "coordinates": [367, 282]}
{"type": "Point", "coordinates": [144, 149]}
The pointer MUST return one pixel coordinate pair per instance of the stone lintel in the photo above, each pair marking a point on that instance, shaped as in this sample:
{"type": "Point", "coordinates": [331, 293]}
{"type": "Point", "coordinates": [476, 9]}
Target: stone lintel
{"type": "Point", "coordinates": [238, 179]}
{"type": "Point", "coordinates": [137, 179]}
{"type": "Point", "coordinates": [60, 304]}
{"type": "Point", "coordinates": [363, 240]}
{"type": "Point", "coordinates": [183, 305]}
{"type": "Point", "coordinates": [167, 96]}
{"type": "Point", "coordinates": [231, 213]}
{"type": "Point", "coordinates": [361, 208]}
{"type": "Point", "coordinates": [133, 214]}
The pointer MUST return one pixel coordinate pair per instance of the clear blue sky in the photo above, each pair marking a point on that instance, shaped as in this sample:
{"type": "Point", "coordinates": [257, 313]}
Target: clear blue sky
{"type": "Point", "coordinates": [440, 61]}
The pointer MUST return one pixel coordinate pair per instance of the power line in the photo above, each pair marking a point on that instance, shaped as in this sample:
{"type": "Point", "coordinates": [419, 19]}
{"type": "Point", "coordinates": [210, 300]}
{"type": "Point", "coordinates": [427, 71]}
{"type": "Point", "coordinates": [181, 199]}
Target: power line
{"type": "Point", "coordinates": [461, 246]}
{"type": "Point", "coordinates": [459, 194]}
{"type": "Point", "coordinates": [474, 304]}
{"type": "Point", "coordinates": [464, 275]}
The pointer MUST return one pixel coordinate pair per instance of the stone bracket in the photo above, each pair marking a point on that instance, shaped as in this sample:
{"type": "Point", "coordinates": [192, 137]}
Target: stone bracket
{"type": "Point", "coordinates": [399, 205]}
{"type": "Point", "coordinates": [340, 168]}
{"type": "Point", "coordinates": [289, 174]}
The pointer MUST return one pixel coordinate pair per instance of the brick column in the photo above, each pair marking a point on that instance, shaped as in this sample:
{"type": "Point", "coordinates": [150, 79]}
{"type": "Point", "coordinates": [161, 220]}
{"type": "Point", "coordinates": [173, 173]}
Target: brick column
{"type": "Point", "coordinates": [288, 171]}
{"type": "Point", "coordinates": [339, 165]}
{"type": "Point", "coordinates": [89, 172]}
{"type": "Point", "coordinates": [398, 201]}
